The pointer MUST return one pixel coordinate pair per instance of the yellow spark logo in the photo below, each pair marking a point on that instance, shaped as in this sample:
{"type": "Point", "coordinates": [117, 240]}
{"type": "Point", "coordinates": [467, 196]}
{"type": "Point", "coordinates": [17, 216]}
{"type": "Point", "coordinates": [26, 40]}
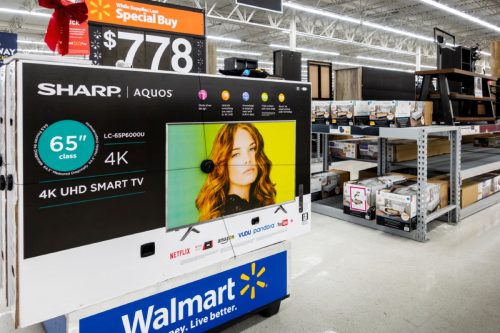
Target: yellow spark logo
{"type": "Point", "coordinates": [245, 277]}
{"type": "Point", "coordinates": [100, 8]}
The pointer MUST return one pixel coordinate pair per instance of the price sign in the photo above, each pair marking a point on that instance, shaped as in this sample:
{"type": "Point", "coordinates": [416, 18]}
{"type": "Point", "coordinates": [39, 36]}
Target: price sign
{"type": "Point", "coordinates": [156, 37]}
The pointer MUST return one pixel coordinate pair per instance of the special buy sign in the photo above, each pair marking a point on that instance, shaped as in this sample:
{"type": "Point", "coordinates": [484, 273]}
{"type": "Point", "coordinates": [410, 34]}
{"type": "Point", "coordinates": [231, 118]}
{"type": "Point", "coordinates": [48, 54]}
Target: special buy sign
{"type": "Point", "coordinates": [149, 36]}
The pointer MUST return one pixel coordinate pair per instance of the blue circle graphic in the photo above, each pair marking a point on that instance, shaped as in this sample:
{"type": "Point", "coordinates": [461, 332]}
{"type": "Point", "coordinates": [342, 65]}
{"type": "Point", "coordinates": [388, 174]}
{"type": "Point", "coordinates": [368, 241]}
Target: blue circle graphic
{"type": "Point", "coordinates": [246, 96]}
{"type": "Point", "coordinates": [66, 146]}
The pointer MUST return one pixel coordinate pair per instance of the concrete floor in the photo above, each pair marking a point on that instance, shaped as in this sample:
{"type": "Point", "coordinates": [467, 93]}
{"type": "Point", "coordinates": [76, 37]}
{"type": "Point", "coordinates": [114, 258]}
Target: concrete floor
{"type": "Point", "coordinates": [347, 278]}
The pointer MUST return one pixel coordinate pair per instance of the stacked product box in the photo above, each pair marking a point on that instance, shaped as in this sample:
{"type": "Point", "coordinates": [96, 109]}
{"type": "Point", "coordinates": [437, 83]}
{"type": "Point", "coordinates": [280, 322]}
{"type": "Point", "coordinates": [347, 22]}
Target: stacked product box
{"type": "Point", "coordinates": [397, 206]}
{"type": "Point", "coordinates": [480, 187]}
{"type": "Point", "coordinates": [360, 195]}
{"type": "Point", "coordinates": [344, 148]}
{"type": "Point", "coordinates": [400, 150]}
{"type": "Point", "coordinates": [382, 113]}
{"type": "Point", "coordinates": [413, 113]}
{"type": "Point", "coordinates": [493, 142]}
{"type": "Point", "coordinates": [361, 113]}
{"type": "Point", "coordinates": [320, 112]}
{"type": "Point", "coordinates": [342, 113]}
{"type": "Point", "coordinates": [329, 183]}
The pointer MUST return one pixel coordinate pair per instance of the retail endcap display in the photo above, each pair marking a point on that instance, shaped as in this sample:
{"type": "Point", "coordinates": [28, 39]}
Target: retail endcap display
{"type": "Point", "coordinates": [108, 164]}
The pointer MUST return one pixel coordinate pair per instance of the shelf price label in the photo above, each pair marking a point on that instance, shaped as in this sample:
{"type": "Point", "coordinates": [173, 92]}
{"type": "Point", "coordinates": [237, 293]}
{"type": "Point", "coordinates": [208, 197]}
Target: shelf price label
{"type": "Point", "coordinates": [66, 147]}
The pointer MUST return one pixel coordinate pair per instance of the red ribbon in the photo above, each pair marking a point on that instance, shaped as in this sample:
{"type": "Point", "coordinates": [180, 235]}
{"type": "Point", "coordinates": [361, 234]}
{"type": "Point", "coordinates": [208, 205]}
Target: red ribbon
{"type": "Point", "coordinates": [57, 36]}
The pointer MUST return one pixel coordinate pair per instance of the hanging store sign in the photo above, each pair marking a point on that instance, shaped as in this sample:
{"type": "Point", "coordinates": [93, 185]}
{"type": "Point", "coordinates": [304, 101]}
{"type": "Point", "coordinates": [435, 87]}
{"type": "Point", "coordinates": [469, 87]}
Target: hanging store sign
{"type": "Point", "coordinates": [8, 45]}
{"type": "Point", "coordinates": [141, 35]}
{"type": "Point", "coordinates": [271, 5]}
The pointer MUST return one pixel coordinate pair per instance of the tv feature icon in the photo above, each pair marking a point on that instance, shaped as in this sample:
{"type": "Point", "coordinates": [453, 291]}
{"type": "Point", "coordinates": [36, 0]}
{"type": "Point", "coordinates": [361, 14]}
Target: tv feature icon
{"type": "Point", "coordinates": [245, 96]}
{"type": "Point", "coordinates": [225, 95]}
{"type": "Point", "coordinates": [281, 97]}
{"type": "Point", "coordinates": [265, 97]}
{"type": "Point", "coordinates": [202, 95]}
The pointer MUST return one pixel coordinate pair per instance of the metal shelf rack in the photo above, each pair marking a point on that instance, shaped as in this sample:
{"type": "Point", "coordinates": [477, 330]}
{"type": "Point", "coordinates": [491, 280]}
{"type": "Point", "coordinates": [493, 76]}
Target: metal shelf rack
{"type": "Point", "coordinates": [330, 206]}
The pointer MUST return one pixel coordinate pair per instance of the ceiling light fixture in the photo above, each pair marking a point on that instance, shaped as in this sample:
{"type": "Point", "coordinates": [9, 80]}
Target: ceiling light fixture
{"type": "Point", "coordinates": [286, 47]}
{"type": "Point", "coordinates": [239, 52]}
{"type": "Point", "coordinates": [394, 62]}
{"type": "Point", "coordinates": [30, 42]}
{"type": "Point", "coordinates": [344, 41]}
{"type": "Point", "coordinates": [224, 39]}
{"type": "Point", "coordinates": [23, 12]}
{"type": "Point", "coordinates": [461, 14]}
{"type": "Point", "coordinates": [354, 20]}
{"type": "Point", "coordinates": [36, 51]}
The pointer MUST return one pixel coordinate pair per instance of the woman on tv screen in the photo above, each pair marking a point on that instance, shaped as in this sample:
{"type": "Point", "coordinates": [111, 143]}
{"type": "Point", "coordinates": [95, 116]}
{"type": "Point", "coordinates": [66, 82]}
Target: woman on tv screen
{"type": "Point", "coordinates": [240, 180]}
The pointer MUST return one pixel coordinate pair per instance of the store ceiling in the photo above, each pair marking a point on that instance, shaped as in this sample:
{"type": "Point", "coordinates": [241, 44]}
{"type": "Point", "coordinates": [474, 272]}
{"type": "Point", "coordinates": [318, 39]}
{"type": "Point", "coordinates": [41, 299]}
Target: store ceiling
{"type": "Point", "coordinates": [257, 29]}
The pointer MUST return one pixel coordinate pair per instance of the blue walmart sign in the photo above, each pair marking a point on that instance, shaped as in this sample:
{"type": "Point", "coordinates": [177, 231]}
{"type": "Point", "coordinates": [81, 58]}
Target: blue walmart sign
{"type": "Point", "coordinates": [199, 305]}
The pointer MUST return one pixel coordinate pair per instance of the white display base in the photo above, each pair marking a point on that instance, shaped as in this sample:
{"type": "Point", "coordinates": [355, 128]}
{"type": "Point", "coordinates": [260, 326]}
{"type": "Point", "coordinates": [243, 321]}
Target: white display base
{"type": "Point", "coordinates": [70, 323]}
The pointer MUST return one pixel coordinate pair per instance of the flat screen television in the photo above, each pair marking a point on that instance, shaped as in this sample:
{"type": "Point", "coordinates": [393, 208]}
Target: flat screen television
{"type": "Point", "coordinates": [252, 168]}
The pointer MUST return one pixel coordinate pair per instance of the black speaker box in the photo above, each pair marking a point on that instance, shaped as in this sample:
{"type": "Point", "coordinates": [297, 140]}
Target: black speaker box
{"type": "Point", "coordinates": [287, 64]}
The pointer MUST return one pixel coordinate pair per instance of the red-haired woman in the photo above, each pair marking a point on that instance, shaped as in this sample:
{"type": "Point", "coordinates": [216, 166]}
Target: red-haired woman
{"type": "Point", "coordinates": [240, 180]}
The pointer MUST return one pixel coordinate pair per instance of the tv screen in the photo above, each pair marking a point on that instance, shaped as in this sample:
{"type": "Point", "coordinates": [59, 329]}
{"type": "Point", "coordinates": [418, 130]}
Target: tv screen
{"type": "Point", "coordinates": [252, 168]}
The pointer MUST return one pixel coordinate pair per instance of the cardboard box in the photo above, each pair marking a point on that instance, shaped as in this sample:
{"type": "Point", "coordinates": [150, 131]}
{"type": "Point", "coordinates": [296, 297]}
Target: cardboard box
{"type": "Point", "coordinates": [477, 188]}
{"type": "Point", "coordinates": [382, 113]}
{"type": "Point", "coordinates": [492, 142]}
{"type": "Point", "coordinates": [342, 113]}
{"type": "Point", "coordinates": [320, 112]}
{"type": "Point", "coordinates": [406, 150]}
{"type": "Point", "coordinates": [329, 183]}
{"type": "Point", "coordinates": [344, 148]}
{"type": "Point", "coordinates": [444, 185]}
{"type": "Point", "coordinates": [496, 182]}
{"type": "Point", "coordinates": [396, 207]}
{"type": "Point", "coordinates": [361, 113]}
{"type": "Point", "coordinates": [368, 149]}
{"type": "Point", "coordinates": [360, 195]}
{"type": "Point", "coordinates": [413, 113]}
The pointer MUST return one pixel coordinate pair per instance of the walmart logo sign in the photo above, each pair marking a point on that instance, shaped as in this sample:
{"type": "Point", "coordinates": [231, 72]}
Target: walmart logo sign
{"type": "Point", "coordinates": [245, 277]}
{"type": "Point", "coordinates": [200, 305]}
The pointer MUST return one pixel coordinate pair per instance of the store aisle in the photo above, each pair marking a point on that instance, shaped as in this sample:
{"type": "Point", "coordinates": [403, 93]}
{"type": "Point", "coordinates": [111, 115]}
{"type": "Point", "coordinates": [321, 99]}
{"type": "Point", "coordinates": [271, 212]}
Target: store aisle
{"type": "Point", "coordinates": [347, 279]}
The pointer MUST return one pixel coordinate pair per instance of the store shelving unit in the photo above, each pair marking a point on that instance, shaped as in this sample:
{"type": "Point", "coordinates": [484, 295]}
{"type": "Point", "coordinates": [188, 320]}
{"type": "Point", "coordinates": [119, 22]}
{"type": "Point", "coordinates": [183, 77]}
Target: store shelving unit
{"type": "Point", "coordinates": [333, 206]}
{"type": "Point", "coordinates": [475, 161]}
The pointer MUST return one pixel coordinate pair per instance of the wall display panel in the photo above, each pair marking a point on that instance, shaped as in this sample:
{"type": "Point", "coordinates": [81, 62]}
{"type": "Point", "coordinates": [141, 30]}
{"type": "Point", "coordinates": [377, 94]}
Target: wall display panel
{"type": "Point", "coordinates": [89, 152]}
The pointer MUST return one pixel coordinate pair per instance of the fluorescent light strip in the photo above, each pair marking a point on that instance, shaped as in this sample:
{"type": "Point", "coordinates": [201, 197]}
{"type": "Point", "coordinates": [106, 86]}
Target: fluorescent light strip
{"type": "Point", "coordinates": [343, 41]}
{"type": "Point", "coordinates": [378, 67]}
{"type": "Point", "coordinates": [37, 51]}
{"type": "Point", "coordinates": [23, 12]}
{"type": "Point", "coordinates": [224, 39]}
{"type": "Point", "coordinates": [239, 52]}
{"type": "Point", "coordinates": [30, 42]}
{"type": "Point", "coordinates": [485, 53]}
{"type": "Point", "coordinates": [394, 62]}
{"type": "Point", "coordinates": [305, 50]}
{"type": "Point", "coordinates": [355, 21]}
{"type": "Point", "coordinates": [461, 14]}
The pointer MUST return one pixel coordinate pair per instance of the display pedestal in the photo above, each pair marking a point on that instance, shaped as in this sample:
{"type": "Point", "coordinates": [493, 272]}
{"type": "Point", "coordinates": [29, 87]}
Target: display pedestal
{"type": "Point", "coordinates": [208, 299]}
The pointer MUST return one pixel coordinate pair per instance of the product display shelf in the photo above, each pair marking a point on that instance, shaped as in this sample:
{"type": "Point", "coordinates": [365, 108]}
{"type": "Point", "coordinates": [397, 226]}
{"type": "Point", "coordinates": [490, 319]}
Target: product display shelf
{"type": "Point", "coordinates": [475, 161]}
{"type": "Point", "coordinates": [421, 135]}
{"type": "Point", "coordinates": [480, 205]}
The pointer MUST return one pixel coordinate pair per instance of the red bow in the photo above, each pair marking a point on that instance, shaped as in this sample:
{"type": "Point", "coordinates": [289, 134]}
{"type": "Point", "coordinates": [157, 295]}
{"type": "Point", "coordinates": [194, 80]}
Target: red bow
{"type": "Point", "coordinates": [57, 36]}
